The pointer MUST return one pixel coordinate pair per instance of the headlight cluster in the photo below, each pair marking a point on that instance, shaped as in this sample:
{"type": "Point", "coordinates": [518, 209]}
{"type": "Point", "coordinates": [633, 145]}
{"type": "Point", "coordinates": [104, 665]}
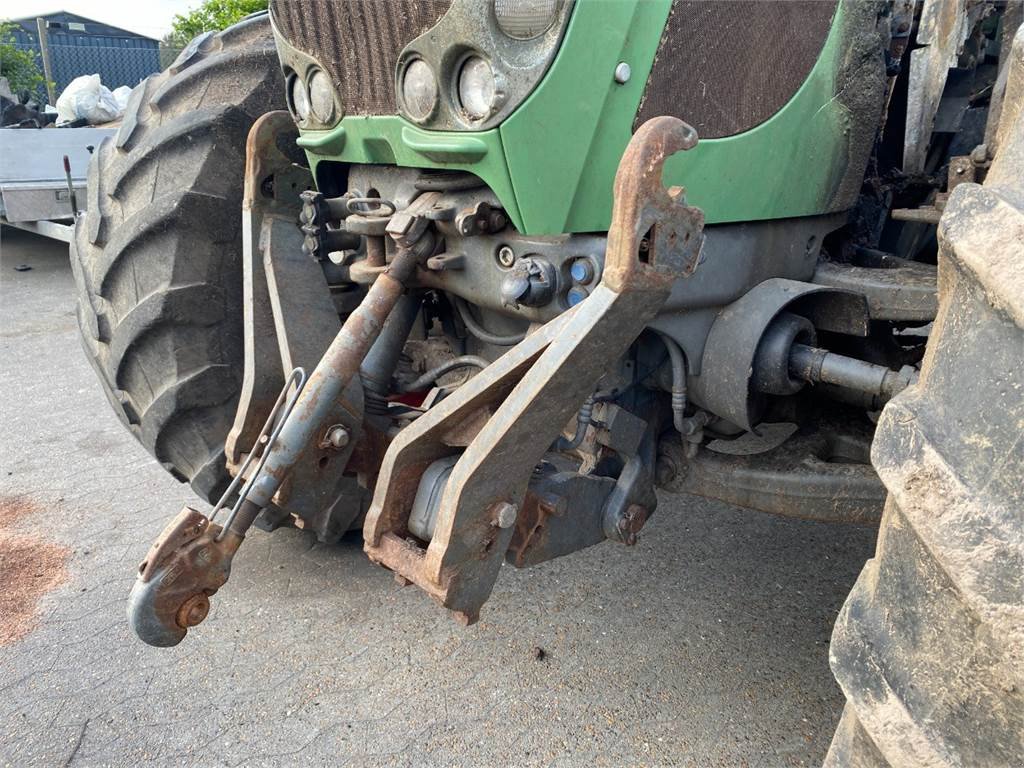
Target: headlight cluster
{"type": "Point", "coordinates": [471, 82]}
{"type": "Point", "coordinates": [477, 92]}
{"type": "Point", "coordinates": [312, 99]}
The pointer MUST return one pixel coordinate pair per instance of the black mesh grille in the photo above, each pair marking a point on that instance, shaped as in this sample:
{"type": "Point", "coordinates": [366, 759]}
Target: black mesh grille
{"type": "Point", "coordinates": [725, 66]}
{"type": "Point", "coordinates": [357, 42]}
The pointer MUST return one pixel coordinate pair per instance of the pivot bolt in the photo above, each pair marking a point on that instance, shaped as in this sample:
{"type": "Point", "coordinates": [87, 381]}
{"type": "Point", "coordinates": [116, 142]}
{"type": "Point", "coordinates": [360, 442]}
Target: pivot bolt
{"type": "Point", "coordinates": [337, 437]}
{"type": "Point", "coordinates": [505, 515]}
{"type": "Point", "coordinates": [193, 611]}
{"type": "Point", "coordinates": [622, 73]}
{"type": "Point", "coordinates": [506, 256]}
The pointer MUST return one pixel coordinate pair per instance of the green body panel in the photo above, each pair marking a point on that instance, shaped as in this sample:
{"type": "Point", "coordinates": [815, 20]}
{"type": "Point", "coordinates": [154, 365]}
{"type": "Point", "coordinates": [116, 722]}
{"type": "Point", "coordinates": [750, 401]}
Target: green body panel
{"type": "Point", "coordinates": [392, 140]}
{"type": "Point", "coordinates": [552, 162]}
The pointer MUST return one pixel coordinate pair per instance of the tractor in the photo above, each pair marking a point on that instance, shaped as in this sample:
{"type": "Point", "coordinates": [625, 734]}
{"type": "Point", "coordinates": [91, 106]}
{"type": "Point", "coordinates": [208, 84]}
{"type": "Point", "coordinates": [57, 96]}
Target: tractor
{"type": "Point", "coordinates": [477, 277]}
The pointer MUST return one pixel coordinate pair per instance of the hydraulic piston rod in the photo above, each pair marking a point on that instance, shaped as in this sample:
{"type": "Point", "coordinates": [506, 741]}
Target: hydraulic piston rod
{"type": "Point", "coordinates": [329, 379]}
{"type": "Point", "coordinates": [817, 365]}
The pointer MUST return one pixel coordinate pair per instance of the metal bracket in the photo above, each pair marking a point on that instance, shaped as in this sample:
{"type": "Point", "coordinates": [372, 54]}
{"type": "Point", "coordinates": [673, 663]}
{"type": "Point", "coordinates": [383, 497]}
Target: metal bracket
{"type": "Point", "coordinates": [510, 413]}
{"type": "Point", "coordinates": [821, 474]}
{"type": "Point", "coordinates": [262, 374]}
{"type": "Point", "coordinates": [289, 321]}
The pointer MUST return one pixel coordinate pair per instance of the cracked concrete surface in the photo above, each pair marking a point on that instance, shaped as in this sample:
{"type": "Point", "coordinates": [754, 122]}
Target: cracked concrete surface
{"type": "Point", "coordinates": [704, 645]}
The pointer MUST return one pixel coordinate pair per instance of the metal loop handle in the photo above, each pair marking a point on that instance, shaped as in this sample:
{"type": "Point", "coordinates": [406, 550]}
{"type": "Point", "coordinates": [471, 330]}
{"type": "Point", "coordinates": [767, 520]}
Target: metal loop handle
{"type": "Point", "coordinates": [370, 206]}
{"type": "Point", "coordinates": [265, 439]}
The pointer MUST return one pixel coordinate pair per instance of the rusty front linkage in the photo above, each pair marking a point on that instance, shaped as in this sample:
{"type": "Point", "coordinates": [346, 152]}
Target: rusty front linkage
{"type": "Point", "coordinates": [493, 431]}
{"type": "Point", "coordinates": [502, 422]}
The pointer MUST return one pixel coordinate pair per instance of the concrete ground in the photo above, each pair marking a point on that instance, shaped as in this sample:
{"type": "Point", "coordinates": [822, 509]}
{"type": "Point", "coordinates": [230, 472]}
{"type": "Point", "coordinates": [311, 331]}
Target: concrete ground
{"type": "Point", "coordinates": [704, 645]}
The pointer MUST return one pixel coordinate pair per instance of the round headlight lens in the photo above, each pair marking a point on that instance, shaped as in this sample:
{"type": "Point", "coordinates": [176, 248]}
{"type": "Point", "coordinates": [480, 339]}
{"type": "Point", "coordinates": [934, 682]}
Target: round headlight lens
{"type": "Point", "coordinates": [419, 90]}
{"type": "Point", "coordinates": [299, 97]}
{"type": "Point", "coordinates": [523, 19]}
{"type": "Point", "coordinates": [477, 88]}
{"type": "Point", "coordinates": [321, 97]}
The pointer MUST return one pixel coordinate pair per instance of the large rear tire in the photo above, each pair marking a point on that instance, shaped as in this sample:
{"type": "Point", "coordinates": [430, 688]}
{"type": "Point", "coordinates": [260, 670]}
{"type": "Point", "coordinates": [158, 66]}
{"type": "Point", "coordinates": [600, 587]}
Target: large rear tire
{"type": "Point", "coordinates": [157, 256]}
{"type": "Point", "coordinates": [929, 647]}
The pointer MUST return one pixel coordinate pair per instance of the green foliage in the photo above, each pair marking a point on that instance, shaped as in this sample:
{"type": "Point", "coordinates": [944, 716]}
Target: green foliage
{"type": "Point", "coordinates": [18, 65]}
{"type": "Point", "coordinates": [211, 15]}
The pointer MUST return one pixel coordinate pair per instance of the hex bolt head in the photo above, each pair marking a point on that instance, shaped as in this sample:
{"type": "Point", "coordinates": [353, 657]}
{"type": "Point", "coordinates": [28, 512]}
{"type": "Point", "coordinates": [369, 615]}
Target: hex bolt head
{"type": "Point", "coordinates": [506, 256]}
{"type": "Point", "coordinates": [622, 73]}
{"type": "Point", "coordinates": [192, 611]}
{"type": "Point", "coordinates": [505, 515]}
{"type": "Point", "coordinates": [338, 436]}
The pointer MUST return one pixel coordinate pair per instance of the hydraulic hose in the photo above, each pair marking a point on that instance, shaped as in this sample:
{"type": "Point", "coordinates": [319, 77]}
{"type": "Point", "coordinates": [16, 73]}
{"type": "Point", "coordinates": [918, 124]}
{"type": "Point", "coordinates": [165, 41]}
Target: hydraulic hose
{"type": "Point", "coordinates": [482, 333]}
{"type": "Point", "coordinates": [678, 361]}
{"type": "Point", "coordinates": [428, 378]}
{"type": "Point", "coordinates": [583, 419]}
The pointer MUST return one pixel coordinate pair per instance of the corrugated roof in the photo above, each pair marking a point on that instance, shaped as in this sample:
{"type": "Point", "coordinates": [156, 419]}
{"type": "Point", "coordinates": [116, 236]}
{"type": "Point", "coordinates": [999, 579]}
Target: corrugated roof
{"type": "Point", "coordinates": [28, 23]}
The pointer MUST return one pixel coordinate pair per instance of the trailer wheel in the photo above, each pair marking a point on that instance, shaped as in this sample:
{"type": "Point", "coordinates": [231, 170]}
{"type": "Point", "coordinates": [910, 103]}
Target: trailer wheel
{"type": "Point", "coordinates": [157, 255]}
{"type": "Point", "coordinates": [929, 647]}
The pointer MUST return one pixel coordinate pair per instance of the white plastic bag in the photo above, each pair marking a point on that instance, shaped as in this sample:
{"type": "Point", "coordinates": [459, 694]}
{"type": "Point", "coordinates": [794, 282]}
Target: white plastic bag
{"type": "Point", "coordinates": [121, 95]}
{"type": "Point", "coordinates": [86, 97]}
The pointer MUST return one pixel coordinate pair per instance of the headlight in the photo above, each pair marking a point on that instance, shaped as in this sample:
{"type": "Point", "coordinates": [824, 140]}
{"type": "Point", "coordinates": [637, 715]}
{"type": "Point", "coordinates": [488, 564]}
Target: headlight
{"type": "Point", "coordinates": [321, 97]}
{"type": "Point", "coordinates": [419, 90]}
{"type": "Point", "coordinates": [524, 19]}
{"type": "Point", "coordinates": [477, 88]}
{"type": "Point", "coordinates": [299, 97]}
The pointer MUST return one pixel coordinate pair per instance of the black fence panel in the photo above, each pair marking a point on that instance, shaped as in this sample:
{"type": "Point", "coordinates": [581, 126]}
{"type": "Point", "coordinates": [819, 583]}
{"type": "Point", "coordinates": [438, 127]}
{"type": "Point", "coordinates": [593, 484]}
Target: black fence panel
{"type": "Point", "coordinates": [115, 64]}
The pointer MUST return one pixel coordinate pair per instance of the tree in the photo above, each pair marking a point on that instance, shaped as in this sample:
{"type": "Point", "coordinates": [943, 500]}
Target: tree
{"type": "Point", "coordinates": [18, 65]}
{"type": "Point", "coordinates": [210, 16]}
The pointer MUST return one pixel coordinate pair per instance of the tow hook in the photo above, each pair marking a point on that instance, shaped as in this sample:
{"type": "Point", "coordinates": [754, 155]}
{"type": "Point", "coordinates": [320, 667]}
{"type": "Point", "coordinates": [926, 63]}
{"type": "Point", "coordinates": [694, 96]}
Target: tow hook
{"type": "Point", "coordinates": [185, 566]}
{"type": "Point", "coordinates": [191, 559]}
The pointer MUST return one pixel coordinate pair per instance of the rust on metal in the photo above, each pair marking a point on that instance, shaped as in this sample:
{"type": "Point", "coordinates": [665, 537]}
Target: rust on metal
{"type": "Point", "coordinates": [261, 379]}
{"type": "Point", "coordinates": [531, 525]}
{"type": "Point", "coordinates": [189, 562]}
{"type": "Point", "coordinates": [533, 390]}
{"type": "Point", "coordinates": [630, 525]}
{"type": "Point", "coordinates": [462, 434]}
{"type": "Point", "coordinates": [193, 611]}
{"type": "Point", "coordinates": [375, 251]}
{"type": "Point", "coordinates": [646, 214]}
{"type": "Point", "coordinates": [263, 158]}
{"type": "Point", "coordinates": [188, 525]}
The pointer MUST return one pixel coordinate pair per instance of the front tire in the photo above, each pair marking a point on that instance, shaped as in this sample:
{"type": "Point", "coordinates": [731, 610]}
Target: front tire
{"type": "Point", "coordinates": [157, 256]}
{"type": "Point", "coordinates": [929, 647]}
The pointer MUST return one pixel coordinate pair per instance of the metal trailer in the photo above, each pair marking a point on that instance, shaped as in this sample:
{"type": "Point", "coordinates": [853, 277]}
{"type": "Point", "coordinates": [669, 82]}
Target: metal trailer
{"type": "Point", "coordinates": [34, 188]}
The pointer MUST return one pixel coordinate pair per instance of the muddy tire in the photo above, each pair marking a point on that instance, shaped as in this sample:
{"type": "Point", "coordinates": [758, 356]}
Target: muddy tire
{"type": "Point", "coordinates": [929, 647]}
{"type": "Point", "coordinates": [157, 256]}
